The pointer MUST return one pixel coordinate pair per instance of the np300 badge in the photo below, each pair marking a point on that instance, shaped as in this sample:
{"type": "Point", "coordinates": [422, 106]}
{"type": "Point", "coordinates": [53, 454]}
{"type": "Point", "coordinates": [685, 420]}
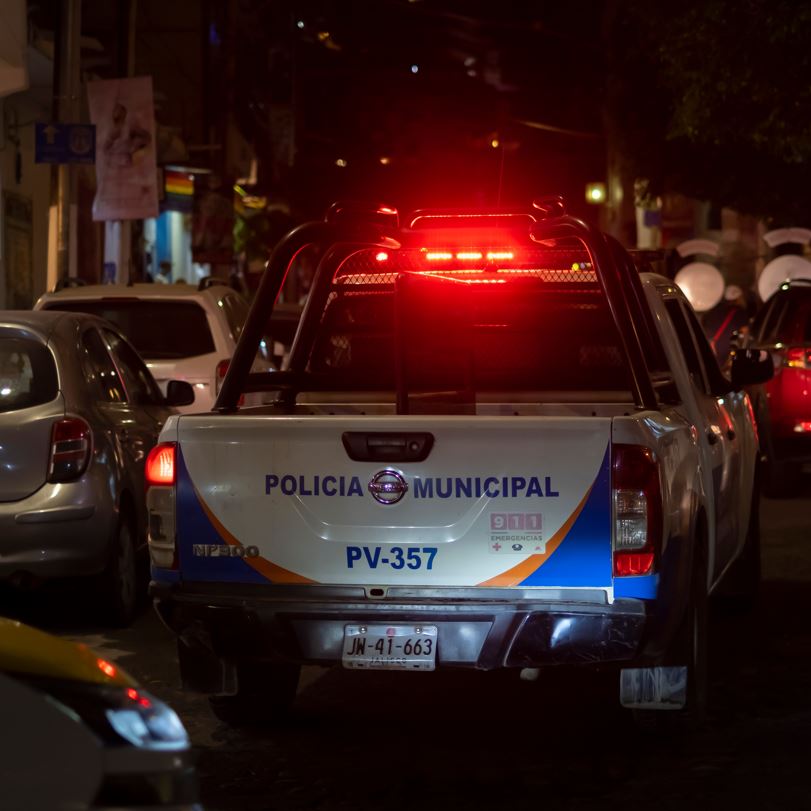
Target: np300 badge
{"type": "Point", "coordinates": [388, 486]}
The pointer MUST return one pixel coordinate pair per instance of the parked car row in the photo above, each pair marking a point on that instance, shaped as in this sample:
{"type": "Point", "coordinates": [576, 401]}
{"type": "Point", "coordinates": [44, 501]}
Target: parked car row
{"type": "Point", "coordinates": [87, 380]}
{"type": "Point", "coordinates": [782, 326]}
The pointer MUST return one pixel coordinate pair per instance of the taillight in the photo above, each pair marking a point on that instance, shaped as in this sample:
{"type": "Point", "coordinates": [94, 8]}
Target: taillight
{"type": "Point", "coordinates": [637, 510]}
{"type": "Point", "coordinates": [160, 464]}
{"type": "Point", "coordinates": [70, 449]}
{"type": "Point", "coordinates": [797, 357]}
{"type": "Point", "coordinates": [160, 475]}
{"type": "Point", "coordinates": [222, 369]}
{"type": "Point", "coordinates": [219, 376]}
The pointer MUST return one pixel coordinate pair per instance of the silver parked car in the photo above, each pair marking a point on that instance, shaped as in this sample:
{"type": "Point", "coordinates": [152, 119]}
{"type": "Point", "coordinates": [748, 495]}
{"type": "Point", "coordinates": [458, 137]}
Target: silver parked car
{"type": "Point", "coordinates": [79, 412]}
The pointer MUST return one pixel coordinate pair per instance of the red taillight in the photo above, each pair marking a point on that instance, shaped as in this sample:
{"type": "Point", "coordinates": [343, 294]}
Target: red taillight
{"type": "Point", "coordinates": [160, 465]}
{"type": "Point", "coordinates": [70, 449]}
{"type": "Point", "coordinates": [637, 510]}
{"type": "Point", "coordinates": [160, 475]}
{"type": "Point", "coordinates": [797, 357]}
{"type": "Point", "coordinates": [802, 427]}
{"type": "Point", "coordinates": [219, 376]}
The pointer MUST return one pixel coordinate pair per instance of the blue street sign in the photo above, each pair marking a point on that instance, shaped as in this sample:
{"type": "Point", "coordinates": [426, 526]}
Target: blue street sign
{"type": "Point", "coordinates": [65, 143]}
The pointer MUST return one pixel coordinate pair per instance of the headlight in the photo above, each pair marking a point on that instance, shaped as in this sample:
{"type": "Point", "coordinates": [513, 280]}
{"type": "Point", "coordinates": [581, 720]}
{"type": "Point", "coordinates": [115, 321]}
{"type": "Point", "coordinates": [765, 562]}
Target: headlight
{"type": "Point", "coordinates": [116, 714]}
{"type": "Point", "coordinates": [148, 722]}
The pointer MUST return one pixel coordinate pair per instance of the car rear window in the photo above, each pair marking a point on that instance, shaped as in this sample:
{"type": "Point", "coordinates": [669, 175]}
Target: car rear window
{"type": "Point", "coordinates": [157, 329]}
{"type": "Point", "coordinates": [794, 325]}
{"type": "Point", "coordinates": [27, 374]}
{"type": "Point", "coordinates": [528, 329]}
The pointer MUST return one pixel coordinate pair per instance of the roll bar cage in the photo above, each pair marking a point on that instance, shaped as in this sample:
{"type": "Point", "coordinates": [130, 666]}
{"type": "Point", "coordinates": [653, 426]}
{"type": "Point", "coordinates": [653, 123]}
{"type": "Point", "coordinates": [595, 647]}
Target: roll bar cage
{"type": "Point", "coordinates": [349, 227]}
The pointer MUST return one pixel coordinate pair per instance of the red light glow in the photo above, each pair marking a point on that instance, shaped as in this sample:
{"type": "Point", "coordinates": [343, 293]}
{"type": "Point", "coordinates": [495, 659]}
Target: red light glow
{"type": "Point", "coordinates": [382, 256]}
{"type": "Point", "coordinates": [135, 696]}
{"type": "Point", "coordinates": [802, 427]}
{"type": "Point", "coordinates": [160, 464]}
{"type": "Point", "coordinates": [494, 256]}
{"type": "Point", "coordinates": [629, 564]}
{"type": "Point", "coordinates": [438, 256]}
{"type": "Point", "coordinates": [106, 668]}
{"type": "Point", "coordinates": [469, 255]}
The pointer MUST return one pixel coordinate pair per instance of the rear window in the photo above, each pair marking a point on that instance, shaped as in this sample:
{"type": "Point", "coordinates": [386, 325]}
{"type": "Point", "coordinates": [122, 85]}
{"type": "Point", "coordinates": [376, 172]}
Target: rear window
{"type": "Point", "coordinates": [525, 328]}
{"type": "Point", "coordinates": [794, 324]}
{"type": "Point", "coordinates": [157, 329]}
{"type": "Point", "coordinates": [27, 374]}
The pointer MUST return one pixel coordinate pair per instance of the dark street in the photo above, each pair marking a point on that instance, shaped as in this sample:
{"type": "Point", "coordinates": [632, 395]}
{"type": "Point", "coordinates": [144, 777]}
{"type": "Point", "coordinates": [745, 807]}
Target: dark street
{"type": "Point", "coordinates": [489, 740]}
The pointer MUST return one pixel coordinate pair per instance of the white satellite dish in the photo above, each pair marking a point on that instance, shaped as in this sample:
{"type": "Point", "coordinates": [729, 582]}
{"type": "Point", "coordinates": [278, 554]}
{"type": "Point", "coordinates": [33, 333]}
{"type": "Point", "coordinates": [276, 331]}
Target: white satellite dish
{"type": "Point", "coordinates": [703, 285]}
{"type": "Point", "coordinates": [779, 270]}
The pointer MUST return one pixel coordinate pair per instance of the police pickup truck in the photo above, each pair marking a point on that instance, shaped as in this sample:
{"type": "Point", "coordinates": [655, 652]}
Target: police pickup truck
{"type": "Point", "coordinates": [496, 444]}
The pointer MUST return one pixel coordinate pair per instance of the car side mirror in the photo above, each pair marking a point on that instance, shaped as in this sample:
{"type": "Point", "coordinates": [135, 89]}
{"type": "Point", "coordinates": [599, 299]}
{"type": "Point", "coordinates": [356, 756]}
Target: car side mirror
{"type": "Point", "coordinates": [750, 367]}
{"type": "Point", "coordinates": [179, 393]}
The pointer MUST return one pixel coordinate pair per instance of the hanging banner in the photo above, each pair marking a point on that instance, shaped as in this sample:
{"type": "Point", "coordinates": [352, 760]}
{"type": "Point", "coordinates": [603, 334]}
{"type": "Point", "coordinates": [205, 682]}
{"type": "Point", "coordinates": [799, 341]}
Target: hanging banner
{"type": "Point", "coordinates": [126, 175]}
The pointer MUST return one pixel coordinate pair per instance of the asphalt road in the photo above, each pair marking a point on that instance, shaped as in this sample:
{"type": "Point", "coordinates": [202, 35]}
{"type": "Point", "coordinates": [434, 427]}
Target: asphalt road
{"type": "Point", "coordinates": [429, 740]}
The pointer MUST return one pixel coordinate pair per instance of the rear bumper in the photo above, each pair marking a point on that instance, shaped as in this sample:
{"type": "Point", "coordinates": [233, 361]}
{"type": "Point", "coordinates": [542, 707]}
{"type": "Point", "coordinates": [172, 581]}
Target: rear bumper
{"type": "Point", "coordinates": [302, 625]}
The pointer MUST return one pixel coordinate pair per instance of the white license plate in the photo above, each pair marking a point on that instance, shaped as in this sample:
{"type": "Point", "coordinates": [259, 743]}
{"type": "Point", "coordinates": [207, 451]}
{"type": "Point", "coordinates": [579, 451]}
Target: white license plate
{"type": "Point", "coordinates": [390, 647]}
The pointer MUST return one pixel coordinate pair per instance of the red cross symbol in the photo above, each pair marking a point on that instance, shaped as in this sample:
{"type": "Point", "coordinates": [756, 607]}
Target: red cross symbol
{"type": "Point", "coordinates": [496, 546]}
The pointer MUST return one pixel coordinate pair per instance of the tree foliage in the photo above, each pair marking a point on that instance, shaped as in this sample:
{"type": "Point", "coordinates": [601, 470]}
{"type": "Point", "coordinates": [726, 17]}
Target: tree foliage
{"type": "Point", "coordinates": [712, 99]}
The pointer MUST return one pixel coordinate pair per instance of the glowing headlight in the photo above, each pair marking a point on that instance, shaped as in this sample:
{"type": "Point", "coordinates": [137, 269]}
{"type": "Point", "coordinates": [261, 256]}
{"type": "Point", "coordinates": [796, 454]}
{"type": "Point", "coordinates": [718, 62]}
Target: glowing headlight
{"type": "Point", "coordinates": [147, 722]}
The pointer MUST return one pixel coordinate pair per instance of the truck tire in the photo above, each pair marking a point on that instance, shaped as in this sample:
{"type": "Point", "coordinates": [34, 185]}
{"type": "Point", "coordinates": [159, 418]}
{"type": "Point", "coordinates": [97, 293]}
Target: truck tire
{"type": "Point", "coordinates": [688, 647]}
{"type": "Point", "coordinates": [265, 693]}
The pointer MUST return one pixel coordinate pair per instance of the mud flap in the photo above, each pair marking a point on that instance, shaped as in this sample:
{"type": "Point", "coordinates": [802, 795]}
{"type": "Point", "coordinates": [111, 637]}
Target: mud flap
{"type": "Point", "coordinates": [653, 688]}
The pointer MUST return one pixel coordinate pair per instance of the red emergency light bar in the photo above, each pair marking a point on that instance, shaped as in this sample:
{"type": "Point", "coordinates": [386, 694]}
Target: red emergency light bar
{"type": "Point", "coordinates": [463, 256]}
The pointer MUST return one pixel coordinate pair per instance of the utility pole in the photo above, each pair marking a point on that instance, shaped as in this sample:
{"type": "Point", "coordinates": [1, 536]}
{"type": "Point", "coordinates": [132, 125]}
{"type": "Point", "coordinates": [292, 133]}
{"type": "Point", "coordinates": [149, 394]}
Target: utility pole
{"type": "Point", "coordinates": [67, 87]}
{"type": "Point", "coordinates": [118, 233]}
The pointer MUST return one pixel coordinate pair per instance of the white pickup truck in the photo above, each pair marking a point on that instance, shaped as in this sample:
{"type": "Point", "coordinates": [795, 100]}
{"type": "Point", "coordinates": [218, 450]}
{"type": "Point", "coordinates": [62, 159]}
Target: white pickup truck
{"type": "Point", "coordinates": [496, 444]}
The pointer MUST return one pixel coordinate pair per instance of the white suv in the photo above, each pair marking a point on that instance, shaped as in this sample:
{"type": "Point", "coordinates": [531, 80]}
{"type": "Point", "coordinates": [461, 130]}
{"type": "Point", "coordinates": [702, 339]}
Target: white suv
{"type": "Point", "coordinates": [181, 331]}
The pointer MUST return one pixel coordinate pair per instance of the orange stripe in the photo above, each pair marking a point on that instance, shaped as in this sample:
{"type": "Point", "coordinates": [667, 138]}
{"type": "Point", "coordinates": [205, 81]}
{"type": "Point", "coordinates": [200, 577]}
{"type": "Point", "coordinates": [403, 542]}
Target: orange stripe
{"type": "Point", "coordinates": [267, 569]}
{"type": "Point", "coordinates": [520, 572]}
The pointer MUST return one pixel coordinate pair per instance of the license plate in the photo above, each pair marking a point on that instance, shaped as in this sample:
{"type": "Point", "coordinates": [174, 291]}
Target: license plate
{"type": "Point", "coordinates": [390, 647]}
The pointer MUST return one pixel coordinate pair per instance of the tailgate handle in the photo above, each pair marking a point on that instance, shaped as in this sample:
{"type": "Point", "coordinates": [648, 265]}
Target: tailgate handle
{"type": "Point", "coordinates": [379, 446]}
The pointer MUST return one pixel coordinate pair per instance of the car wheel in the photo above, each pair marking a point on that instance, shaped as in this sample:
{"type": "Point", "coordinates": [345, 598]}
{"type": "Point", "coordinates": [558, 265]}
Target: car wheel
{"type": "Point", "coordinates": [689, 647]}
{"type": "Point", "coordinates": [119, 581]}
{"type": "Point", "coordinates": [265, 693]}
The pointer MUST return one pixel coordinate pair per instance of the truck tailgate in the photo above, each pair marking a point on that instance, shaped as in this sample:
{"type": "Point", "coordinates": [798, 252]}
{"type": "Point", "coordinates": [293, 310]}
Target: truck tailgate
{"type": "Point", "coordinates": [497, 502]}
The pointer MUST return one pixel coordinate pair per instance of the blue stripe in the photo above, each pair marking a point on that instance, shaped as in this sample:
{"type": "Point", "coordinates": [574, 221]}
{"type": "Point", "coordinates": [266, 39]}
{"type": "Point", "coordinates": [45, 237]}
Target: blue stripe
{"type": "Point", "coordinates": [644, 587]}
{"type": "Point", "coordinates": [193, 527]}
{"type": "Point", "coordinates": [584, 556]}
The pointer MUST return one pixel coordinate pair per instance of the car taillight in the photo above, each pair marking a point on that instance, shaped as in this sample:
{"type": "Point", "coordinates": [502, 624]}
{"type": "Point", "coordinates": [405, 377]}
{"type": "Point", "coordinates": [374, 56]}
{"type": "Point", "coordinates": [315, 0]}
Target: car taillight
{"type": "Point", "coordinates": [70, 449]}
{"type": "Point", "coordinates": [160, 464]}
{"type": "Point", "coordinates": [222, 369]}
{"type": "Point", "coordinates": [219, 376]}
{"type": "Point", "coordinates": [797, 357]}
{"type": "Point", "coordinates": [637, 510]}
{"type": "Point", "coordinates": [160, 477]}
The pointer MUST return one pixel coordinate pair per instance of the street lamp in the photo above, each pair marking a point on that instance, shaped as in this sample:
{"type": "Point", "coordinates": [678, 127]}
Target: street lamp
{"type": "Point", "coordinates": [595, 193]}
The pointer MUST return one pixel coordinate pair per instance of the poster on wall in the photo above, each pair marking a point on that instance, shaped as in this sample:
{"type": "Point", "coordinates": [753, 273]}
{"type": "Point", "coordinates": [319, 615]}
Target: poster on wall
{"type": "Point", "coordinates": [126, 176]}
